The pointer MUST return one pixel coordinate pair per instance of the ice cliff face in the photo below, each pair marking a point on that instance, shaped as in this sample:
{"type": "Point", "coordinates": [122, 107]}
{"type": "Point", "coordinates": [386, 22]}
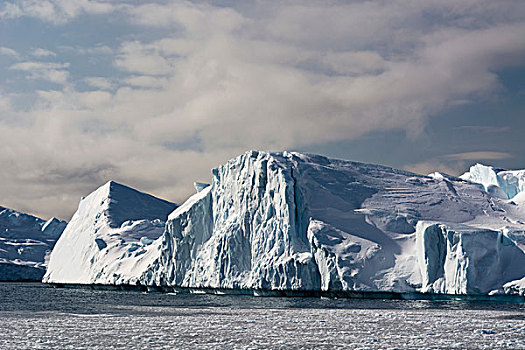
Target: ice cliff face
{"type": "Point", "coordinates": [457, 259]}
{"type": "Point", "coordinates": [245, 231]}
{"type": "Point", "coordinates": [505, 184]}
{"type": "Point", "coordinates": [25, 244]}
{"type": "Point", "coordinates": [109, 237]}
{"type": "Point", "coordinates": [305, 222]}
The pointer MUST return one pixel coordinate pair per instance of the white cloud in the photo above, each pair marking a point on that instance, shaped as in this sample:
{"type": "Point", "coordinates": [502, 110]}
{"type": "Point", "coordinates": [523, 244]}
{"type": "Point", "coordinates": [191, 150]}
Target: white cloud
{"type": "Point", "coordinates": [138, 58]}
{"type": "Point", "coordinates": [52, 75]}
{"type": "Point", "coordinates": [40, 52]}
{"type": "Point", "coordinates": [50, 71]}
{"type": "Point", "coordinates": [77, 103]}
{"type": "Point", "coordinates": [146, 81]}
{"type": "Point", "coordinates": [196, 19]}
{"type": "Point", "coordinates": [354, 63]}
{"type": "Point", "coordinates": [53, 11]}
{"type": "Point", "coordinates": [33, 65]}
{"type": "Point", "coordinates": [268, 76]}
{"type": "Point", "coordinates": [99, 50]}
{"type": "Point", "coordinates": [6, 51]}
{"type": "Point", "coordinates": [99, 82]}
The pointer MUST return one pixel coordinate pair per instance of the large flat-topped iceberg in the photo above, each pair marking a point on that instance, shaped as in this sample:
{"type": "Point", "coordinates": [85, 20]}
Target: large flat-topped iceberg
{"type": "Point", "coordinates": [306, 222]}
{"type": "Point", "coordinates": [25, 244]}
{"type": "Point", "coordinates": [108, 237]}
{"type": "Point", "coordinates": [290, 221]}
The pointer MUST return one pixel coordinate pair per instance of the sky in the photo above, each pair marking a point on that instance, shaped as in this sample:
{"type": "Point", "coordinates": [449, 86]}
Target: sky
{"type": "Point", "coordinates": [154, 94]}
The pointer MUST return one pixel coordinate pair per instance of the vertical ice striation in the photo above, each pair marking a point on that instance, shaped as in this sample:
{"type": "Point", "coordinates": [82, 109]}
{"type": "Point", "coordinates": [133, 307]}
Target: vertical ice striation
{"type": "Point", "coordinates": [458, 259]}
{"type": "Point", "coordinates": [241, 232]}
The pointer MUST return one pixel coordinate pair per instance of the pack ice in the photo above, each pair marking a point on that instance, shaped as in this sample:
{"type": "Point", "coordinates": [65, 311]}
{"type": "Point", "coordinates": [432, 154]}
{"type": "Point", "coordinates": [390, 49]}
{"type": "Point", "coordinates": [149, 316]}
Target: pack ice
{"type": "Point", "coordinates": [305, 222]}
{"type": "Point", "coordinates": [109, 237]}
{"type": "Point", "coordinates": [25, 244]}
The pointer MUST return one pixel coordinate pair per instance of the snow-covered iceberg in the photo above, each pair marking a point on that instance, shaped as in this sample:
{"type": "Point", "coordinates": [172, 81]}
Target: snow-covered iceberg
{"type": "Point", "coordinates": [108, 238]}
{"type": "Point", "coordinates": [306, 222]}
{"type": "Point", "coordinates": [25, 244]}
{"type": "Point", "coordinates": [290, 221]}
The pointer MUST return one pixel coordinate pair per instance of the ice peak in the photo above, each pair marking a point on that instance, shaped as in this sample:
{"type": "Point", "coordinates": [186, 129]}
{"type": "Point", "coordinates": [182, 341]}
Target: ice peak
{"type": "Point", "coordinates": [120, 203]}
{"type": "Point", "coordinates": [115, 190]}
{"type": "Point", "coordinates": [53, 227]}
{"type": "Point", "coordinates": [199, 186]}
{"type": "Point", "coordinates": [112, 185]}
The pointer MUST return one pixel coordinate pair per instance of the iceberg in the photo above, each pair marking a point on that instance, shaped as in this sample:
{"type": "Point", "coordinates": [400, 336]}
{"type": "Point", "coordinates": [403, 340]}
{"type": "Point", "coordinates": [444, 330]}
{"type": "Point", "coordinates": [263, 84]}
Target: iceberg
{"type": "Point", "coordinates": [108, 238]}
{"type": "Point", "coordinates": [25, 244]}
{"type": "Point", "coordinates": [502, 183]}
{"type": "Point", "coordinates": [299, 222]}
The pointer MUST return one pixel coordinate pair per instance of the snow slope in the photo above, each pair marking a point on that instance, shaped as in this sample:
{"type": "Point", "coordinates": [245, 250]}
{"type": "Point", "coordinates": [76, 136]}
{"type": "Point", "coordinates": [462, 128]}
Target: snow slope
{"type": "Point", "coordinates": [109, 236]}
{"type": "Point", "coordinates": [305, 222]}
{"type": "Point", "coordinates": [25, 243]}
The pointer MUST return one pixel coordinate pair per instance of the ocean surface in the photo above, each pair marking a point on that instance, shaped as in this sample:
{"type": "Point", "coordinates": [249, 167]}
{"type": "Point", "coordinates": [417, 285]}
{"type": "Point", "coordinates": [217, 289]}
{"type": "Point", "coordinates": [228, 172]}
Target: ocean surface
{"type": "Point", "coordinates": [36, 316]}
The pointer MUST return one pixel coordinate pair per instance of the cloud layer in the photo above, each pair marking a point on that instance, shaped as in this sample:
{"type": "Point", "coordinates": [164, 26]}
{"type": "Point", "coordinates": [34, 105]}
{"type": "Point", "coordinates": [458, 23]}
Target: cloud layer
{"type": "Point", "coordinates": [214, 81]}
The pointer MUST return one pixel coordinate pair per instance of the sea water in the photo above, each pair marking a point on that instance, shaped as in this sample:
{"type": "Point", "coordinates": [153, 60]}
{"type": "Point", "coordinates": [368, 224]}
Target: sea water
{"type": "Point", "coordinates": [37, 316]}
